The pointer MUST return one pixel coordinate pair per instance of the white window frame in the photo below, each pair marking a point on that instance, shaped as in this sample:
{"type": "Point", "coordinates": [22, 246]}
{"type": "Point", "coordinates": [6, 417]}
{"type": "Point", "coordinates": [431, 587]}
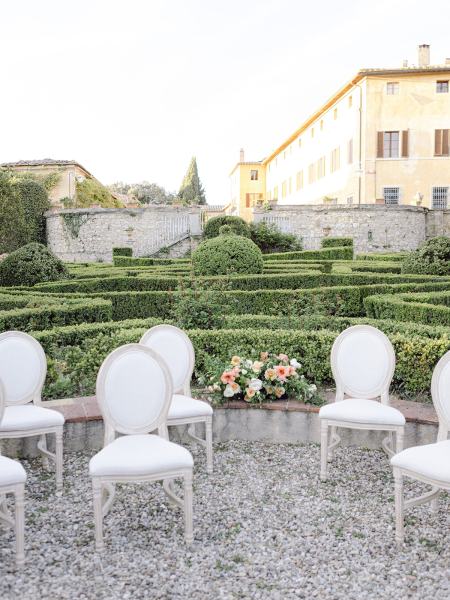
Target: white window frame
{"type": "Point", "coordinates": [446, 199]}
{"type": "Point", "coordinates": [399, 194]}
{"type": "Point", "coordinates": [396, 88]}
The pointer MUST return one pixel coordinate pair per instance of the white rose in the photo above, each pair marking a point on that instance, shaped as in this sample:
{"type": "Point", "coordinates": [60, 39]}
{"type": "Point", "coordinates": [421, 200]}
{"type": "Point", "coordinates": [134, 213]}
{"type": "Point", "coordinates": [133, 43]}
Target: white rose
{"type": "Point", "coordinates": [228, 391]}
{"type": "Point", "coordinates": [255, 384]}
{"type": "Point", "coordinates": [294, 363]}
{"type": "Point", "coordinates": [313, 388]}
{"type": "Point", "coordinates": [244, 372]}
{"type": "Point", "coordinates": [249, 364]}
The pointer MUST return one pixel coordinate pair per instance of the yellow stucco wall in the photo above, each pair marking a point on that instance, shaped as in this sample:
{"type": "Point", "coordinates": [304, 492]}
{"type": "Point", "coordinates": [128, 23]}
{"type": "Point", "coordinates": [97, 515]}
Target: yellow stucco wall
{"type": "Point", "coordinates": [245, 192]}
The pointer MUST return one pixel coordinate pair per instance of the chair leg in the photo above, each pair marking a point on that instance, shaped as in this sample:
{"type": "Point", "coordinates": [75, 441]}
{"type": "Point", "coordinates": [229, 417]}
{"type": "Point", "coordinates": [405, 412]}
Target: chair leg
{"type": "Point", "coordinates": [188, 518]}
{"type": "Point", "coordinates": [209, 445]}
{"type": "Point", "coordinates": [399, 440]}
{"type": "Point", "coordinates": [20, 525]}
{"type": "Point", "coordinates": [98, 515]}
{"type": "Point", "coordinates": [435, 503]}
{"type": "Point", "coordinates": [59, 459]}
{"type": "Point", "coordinates": [323, 450]}
{"type": "Point", "coordinates": [42, 445]}
{"type": "Point", "coordinates": [399, 526]}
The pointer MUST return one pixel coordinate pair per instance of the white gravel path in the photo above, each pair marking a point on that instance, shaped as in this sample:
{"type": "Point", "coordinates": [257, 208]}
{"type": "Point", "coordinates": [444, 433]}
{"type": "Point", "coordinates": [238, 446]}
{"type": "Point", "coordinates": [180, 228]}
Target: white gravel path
{"type": "Point", "coordinates": [264, 528]}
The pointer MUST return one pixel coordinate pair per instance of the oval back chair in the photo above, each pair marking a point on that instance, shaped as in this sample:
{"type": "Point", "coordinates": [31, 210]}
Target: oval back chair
{"type": "Point", "coordinates": [363, 363]}
{"type": "Point", "coordinates": [440, 393]}
{"type": "Point", "coordinates": [177, 350]}
{"type": "Point", "coordinates": [23, 367]}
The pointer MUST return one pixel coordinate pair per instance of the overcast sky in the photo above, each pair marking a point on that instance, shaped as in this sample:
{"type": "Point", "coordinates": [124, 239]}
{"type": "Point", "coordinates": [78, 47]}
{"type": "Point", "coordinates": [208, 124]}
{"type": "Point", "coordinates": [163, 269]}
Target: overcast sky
{"type": "Point", "coordinates": [132, 89]}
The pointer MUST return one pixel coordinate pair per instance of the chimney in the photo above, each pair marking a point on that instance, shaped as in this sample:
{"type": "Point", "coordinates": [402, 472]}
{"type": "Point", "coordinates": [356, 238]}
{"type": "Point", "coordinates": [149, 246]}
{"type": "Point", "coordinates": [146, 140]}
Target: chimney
{"type": "Point", "coordinates": [424, 55]}
{"type": "Point", "coordinates": [241, 155]}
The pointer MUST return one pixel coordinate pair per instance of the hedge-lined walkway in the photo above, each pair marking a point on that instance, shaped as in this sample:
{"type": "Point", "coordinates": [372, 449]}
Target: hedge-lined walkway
{"type": "Point", "coordinates": [264, 528]}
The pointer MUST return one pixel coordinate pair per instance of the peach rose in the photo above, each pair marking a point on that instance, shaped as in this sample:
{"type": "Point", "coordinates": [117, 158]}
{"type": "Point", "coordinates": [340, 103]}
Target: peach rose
{"type": "Point", "coordinates": [282, 372]}
{"type": "Point", "coordinates": [227, 377]}
{"type": "Point", "coordinates": [270, 374]}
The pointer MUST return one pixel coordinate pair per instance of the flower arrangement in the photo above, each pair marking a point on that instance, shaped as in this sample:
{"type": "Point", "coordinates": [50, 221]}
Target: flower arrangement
{"type": "Point", "coordinates": [272, 377]}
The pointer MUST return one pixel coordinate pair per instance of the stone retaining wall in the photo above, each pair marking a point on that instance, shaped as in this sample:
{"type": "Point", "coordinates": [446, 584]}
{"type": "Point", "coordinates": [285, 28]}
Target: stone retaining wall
{"type": "Point", "coordinates": [79, 235]}
{"type": "Point", "coordinates": [374, 228]}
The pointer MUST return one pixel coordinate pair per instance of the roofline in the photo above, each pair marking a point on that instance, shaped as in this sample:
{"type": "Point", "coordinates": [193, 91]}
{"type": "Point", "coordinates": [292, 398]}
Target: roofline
{"type": "Point", "coordinates": [43, 164]}
{"type": "Point", "coordinates": [362, 74]}
{"type": "Point", "coordinates": [246, 162]}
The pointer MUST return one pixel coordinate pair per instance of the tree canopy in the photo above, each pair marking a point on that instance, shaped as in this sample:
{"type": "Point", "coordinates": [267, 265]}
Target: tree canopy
{"type": "Point", "coordinates": [191, 190]}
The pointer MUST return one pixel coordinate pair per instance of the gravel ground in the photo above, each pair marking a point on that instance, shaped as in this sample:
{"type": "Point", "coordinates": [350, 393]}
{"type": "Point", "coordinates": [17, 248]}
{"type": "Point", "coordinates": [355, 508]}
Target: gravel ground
{"type": "Point", "coordinates": [264, 528]}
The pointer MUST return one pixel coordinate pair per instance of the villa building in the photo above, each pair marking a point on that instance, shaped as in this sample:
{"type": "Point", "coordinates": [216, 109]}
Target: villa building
{"type": "Point", "coordinates": [383, 138]}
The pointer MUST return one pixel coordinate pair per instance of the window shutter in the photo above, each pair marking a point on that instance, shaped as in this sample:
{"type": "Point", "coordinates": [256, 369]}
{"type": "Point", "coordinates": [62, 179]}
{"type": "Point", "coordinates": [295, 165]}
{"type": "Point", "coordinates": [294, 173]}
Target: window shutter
{"type": "Point", "coordinates": [405, 141]}
{"type": "Point", "coordinates": [247, 200]}
{"type": "Point", "coordinates": [445, 144]}
{"type": "Point", "coordinates": [438, 142]}
{"type": "Point", "coordinates": [380, 144]}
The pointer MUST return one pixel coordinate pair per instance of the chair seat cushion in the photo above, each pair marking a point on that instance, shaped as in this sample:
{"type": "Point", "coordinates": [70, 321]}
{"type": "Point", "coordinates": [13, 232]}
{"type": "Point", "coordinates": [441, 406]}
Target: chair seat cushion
{"type": "Point", "coordinates": [11, 472]}
{"type": "Point", "coordinates": [28, 417]}
{"type": "Point", "coordinates": [431, 460]}
{"type": "Point", "coordinates": [184, 407]}
{"type": "Point", "coordinates": [139, 455]}
{"type": "Point", "coordinates": [359, 410]}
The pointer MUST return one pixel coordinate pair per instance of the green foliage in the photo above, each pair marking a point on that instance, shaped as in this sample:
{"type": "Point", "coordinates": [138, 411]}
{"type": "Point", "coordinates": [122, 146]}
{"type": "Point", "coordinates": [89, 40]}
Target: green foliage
{"type": "Point", "coordinates": [337, 253]}
{"type": "Point", "coordinates": [238, 225]}
{"type": "Point", "coordinates": [431, 308]}
{"type": "Point", "coordinates": [122, 251]}
{"type": "Point", "coordinates": [35, 203]}
{"type": "Point", "coordinates": [191, 190]}
{"type": "Point", "coordinates": [196, 306]}
{"type": "Point", "coordinates": [31, 264]}
{"type": "Point", "coordinates": [397, 256]}
{"type": "Point", "coordinates": [74, 221]}
{"type": "Point", "coordinates": [227, 254]}
{"type": "Point", "coordinates": [144, 192]}
{"type": "Point", "coordinates": [269, 238]}
{"type": "Point", "coordinates": [431, 258]}
{"type": "Point", "coordinates": [90, 192]}
{"type": "Point", "coordinates": [332, 242]}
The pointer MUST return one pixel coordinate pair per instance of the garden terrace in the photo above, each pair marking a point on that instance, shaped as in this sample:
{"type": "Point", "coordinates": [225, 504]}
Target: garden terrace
{"type": "Point", "coordinates": [297, 306]}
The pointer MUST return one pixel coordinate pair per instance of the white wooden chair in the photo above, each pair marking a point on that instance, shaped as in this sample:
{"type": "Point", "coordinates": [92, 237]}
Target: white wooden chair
{"type": "Point", "coordinates": [430, 463]}
{"type": "Point", "coordinates": [177, 351]}
{"type": "Point", "coordinates": [363, 363]}
{"type": "Point", "coordinates": [134, 389]}
{"type": "Point", "coordinates": [23, 368]}
{"type": "Point", "coordinates": [12, 481]}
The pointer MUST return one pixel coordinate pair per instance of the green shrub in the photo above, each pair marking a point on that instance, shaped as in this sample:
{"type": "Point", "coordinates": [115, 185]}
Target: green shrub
{"type": "Point", "coordinates": [195, 306]}
{"type": "Point", "coordinates": [338, 253]}
{"type": "Point", "coordinates": [332, 242]}
{"type": "Point", "coordinates": [398, 256]}
{"type": "Point", "coordinates": [31, 264]}
{"type": "Point", "coordinates": [270, 239]}
{"type": "Point", "coordinates": [212, 227]}
{"type": "Point", "coordinates": [122, 251]}
{"type": "Point", "coordinates": [431, 308]}
{"type": "Point", "coordinates": [394, 267]}
{"type": "Point", "coordinates": [35, 203]}
{"type": "Point", "coordinates": [90, 192]}
{"type": "Point", "coordinates": [227, 254]}
{"type": "Point", "coordinates": [431, 258]}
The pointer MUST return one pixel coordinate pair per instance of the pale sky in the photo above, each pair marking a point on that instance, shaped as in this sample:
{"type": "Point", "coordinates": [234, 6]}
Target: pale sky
{"type": "Point", "coordinates": [132, 89]}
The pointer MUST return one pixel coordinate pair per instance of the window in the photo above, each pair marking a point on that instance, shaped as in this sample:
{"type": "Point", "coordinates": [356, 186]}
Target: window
{"type": "Point", "coordinates": [349, 200]}
{"type": "Point", "coordinates": [392, 88]}
{"type": "Point", "coordinates": [321, 125]}
{"type": "Point", "coordinates": [253, 199]}
{"type": "Point", "coordinates": [254, 174]}
{"type": "Point", "coordinates": [442, 87]}
{"type": "Point", "coordinates": [275, 193]}
{"type": "Point", "coordinates": [284, 155]}
{"type": "Point", "coordinates": [283, 189]}
{"type": "Point", "coordinates": [335, 114]}
{"type": "Point", "coordinates": [312, 132]}
{"type": "Point", "coordinates": [441, 142]}
{"type": "Point", "coordinates": [311, 173]}
{"type": "Point", "coordinates": [335, 162]}
{"type": "Point", "coordinates": [391, 195]}
{"type": "Point", "coordinates": [321, 167]}
{"type": "Point", "coordinates": [299, 142]}
{"type": "Point", "coordinates": [439, 198]}
{"type": "Point", "coordinates": [290, 185]}
{"type": "Point", "coordinates": [299, 180]}
{"type": "Point", "coordinates": [350, 101]}
{"type": "Point", "coordinates": [350, 151]}
{"type": "Point", "coordinates": [388, 144]}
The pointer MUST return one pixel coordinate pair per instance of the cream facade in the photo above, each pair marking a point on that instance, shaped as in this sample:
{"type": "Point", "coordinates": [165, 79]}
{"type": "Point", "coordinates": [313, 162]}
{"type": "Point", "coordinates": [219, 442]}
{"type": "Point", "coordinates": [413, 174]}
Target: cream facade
{"type": "Point", "coordinates": [383, 138]}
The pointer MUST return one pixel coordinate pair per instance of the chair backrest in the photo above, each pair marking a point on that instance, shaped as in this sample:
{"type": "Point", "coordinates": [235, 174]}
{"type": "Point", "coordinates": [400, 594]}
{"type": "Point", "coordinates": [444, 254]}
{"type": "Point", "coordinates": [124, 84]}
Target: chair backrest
{"type": "Point", "coordinates": [23, 367]}
{"type": "Point", "coordinates": [176, 349]}
{"type": "Point", "coordinates": [134, 390]}
{"type": "Point", "coordinates": [440, 392]}
{"type": "Point", "coordinates": [363, 363]}
{"type": "Point", "coordinates": [2, 400]}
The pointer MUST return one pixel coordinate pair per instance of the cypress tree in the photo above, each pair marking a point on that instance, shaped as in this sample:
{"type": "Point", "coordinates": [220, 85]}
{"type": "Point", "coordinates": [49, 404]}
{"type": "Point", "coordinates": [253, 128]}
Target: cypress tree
{"type": "Point", "coordinates": [191, 190]}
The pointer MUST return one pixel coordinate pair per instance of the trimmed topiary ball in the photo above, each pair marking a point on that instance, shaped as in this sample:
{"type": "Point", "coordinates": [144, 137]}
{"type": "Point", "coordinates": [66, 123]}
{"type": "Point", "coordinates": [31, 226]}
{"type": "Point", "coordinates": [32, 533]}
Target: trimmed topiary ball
{"type": "Point", "coordinates": [31, 264]}
{"type": "Point", "coordinates": [238, 225]}
{"type": "Point", "coordinates": [227, 254]}
{"type": "Point", "coordinates": [431, 258]}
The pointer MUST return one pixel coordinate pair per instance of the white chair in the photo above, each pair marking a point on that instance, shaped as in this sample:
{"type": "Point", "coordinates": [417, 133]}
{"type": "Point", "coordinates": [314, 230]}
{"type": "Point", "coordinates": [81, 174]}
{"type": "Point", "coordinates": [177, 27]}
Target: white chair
{"type": "Point", "coordinates": [363, 363]}
{"type": "Point", "coordinates": [23, 368]}
{"type": "Point", "coordinates": [12, 481]}
{"type": "Point", "coordinates": [177, 351]}
{"type": "Point", "coordinates": [430, 463]}
{"type": "Point", "coordinates": [134, 389]}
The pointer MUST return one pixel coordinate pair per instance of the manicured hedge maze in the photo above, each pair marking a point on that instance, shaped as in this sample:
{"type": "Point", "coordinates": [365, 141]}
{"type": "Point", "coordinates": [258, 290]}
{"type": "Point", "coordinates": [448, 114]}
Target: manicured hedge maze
{"type": "Point", "coordinates": [298, 305]}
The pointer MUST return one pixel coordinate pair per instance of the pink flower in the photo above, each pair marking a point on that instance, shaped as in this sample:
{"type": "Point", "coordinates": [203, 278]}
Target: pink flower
{"type": "Point", "coordinates": [283, 357]}
{"type": "Point", "coordinates": [282, 372]}
{"type": "Point", "coordinates": [227, 377]}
